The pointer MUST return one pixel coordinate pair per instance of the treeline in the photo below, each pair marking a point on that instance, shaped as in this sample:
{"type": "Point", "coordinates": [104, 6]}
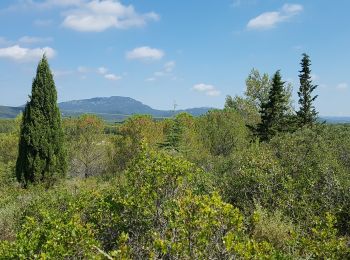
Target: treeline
{"type": "Point", "coordinates": [255, 180]}
{"type": "Point", "coordinates": [272, 98]}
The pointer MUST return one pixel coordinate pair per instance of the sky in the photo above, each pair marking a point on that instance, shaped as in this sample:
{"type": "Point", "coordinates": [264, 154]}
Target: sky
{"type": "Point", "coordinates": [189, 52]}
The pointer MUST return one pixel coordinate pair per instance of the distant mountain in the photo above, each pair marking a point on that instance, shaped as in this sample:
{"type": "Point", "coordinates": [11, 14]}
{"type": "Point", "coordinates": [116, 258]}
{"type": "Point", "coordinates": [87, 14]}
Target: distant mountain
{"type": "Point", "coordinates": [336, 119]}
{"type": "Point", "coordinates": [110, 108]}
{"type": "Point", "coordinates": [118, 108]}
{"type": "Point", "coordinates": [9, 112]}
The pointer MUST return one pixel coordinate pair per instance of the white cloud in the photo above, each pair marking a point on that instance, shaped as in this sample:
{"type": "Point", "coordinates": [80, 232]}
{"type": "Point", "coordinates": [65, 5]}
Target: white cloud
{"type": "Point", "coordinates": [203, 87]}
{"type": "Point", "coordinates": [292, 9]}
{"type": "Point", "coordinates": [112, 77]}
{"type": "Point", "coordinates": [102, 70]}
{"type": "Point", "coordinates": [342, 86]}
{"type": "Point", "coordinates": [32, 40]}
{"type": "Point", "coordinates": [97, 16]}
{"type": "Point", "coordinates": [209, 90]}
{"type": "Point", "coordinates": [145, 53]}
{"type": "Point", "coordinates": [169, 66]}
{"type": "Point", "coordinates": [269, 20]}
{"type": "Point", "coordinates": [167, 70]}
{"type": "Point", "coordinates": [18, 53]}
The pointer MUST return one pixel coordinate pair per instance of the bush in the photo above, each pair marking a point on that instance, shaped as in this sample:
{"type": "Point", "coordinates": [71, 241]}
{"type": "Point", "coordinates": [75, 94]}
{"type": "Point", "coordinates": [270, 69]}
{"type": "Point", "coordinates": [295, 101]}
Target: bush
{"type": "Point", "coordinates": [223, 131]}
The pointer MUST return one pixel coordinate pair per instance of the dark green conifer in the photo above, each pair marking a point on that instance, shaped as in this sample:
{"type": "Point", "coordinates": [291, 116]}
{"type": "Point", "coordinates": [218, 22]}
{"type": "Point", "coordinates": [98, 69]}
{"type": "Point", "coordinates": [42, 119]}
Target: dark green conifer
{"type": "Point", "coordinates": [273, 111]}
{"type": "Point", "coordinates": [42, 155]}
{"type": "Point", "coordinates": [307, 114]}
{"type": "Point", "coordinates": [173, 137]}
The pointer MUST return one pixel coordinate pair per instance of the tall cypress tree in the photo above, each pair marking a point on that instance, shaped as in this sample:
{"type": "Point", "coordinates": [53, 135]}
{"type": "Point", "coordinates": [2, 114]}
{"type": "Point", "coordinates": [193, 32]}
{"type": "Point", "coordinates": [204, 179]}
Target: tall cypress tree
{"type": "Point", "coordinates": [42, 155]}
{"type": "Point", "coordinates": [307, 114]}
{"type": "Point", "coordinates": [273, 111]}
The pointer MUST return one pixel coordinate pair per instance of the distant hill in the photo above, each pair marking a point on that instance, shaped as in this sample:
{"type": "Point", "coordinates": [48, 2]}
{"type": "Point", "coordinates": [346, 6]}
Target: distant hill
{"type": "Point", "coordinates": [110, 108]}
{"type": "Point", "coordinates": [9, 112]}
{"type": "Point", "coordinates": [118, 108]}
{"type": "Point", "coordinates": [336, 119]}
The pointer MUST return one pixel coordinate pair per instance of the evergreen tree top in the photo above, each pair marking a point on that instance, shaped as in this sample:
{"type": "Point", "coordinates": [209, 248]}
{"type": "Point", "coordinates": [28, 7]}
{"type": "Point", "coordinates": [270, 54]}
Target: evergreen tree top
{"type": "Point", "coordinates": [307, 114]}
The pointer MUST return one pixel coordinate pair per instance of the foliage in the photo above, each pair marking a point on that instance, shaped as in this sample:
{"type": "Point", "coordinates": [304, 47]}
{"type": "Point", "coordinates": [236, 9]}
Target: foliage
{"type": "Point", "coordinates": [247, 110]}
{"type": "Point", "coordinates": [8, 125]}
{"type": "Point", "coordinates": [196, 229]}
{"type": "Point", "coordinates": [229, 103]}
{"type": "Point", "coordinates": [173, 136]}
{"type": "Point", "coordinates": [223, 131]}
{"type": "Point", "coordinates": [323, 242]}
{"type": "Point", "coordinates": [127, 143]}
{"type": "Point", "coordinates": [257, 88]}
{"type": "Point", "coordinates": [316, 181]}
{"type": "Point", "coordinates": [273, 227]}
{"type": "Point", "coordinates": [42, 155]}
{"type": "Point", "coordinates": [252, 175]}
{"type": "Point", "coordinates": [88, 147]}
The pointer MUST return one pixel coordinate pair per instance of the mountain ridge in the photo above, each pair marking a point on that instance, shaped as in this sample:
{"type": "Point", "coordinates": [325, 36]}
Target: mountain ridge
{"type": "Point", "coordinates": [110, 108]}
{"type": "Point", "coordinates": [118, 108]}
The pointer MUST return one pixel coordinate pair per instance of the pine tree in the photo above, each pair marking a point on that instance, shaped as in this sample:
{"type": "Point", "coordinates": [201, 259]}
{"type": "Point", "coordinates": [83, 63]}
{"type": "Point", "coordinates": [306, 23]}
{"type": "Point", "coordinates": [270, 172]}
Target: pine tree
{"type": "Point", "coordinates": [273, 111]}
{"type": "Point", "coordinates": [173, 137]}
{"type": "Point", "coordinates": [42, 155]}
{"type": "Point", "coordinates": [307, 114]}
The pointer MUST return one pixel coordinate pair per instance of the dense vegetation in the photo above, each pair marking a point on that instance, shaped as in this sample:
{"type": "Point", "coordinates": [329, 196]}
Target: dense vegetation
{"type": "Point", "coordinates": [219, 186]}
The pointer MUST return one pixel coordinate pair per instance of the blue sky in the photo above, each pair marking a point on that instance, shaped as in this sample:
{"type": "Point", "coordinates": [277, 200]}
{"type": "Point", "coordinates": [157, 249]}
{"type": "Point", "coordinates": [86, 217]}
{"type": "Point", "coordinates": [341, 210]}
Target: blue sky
{"type": "Point", "coordinates": [194, 52]}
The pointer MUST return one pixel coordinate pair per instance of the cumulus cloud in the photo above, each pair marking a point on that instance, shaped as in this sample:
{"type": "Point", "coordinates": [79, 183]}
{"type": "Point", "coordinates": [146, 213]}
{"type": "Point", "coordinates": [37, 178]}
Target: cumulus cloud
{"type": "Point", "coordinates": [110, 76]}
{"type": "Point", "coordinates": [97, 16]}
{"type": "Point", "coordinates": [145, 53]}
{"type": "Point", "coordinates": [269, 20]}
{"type": "Point", "coordinates": [18, 53]}
{"type": "Point", "coordinates": [207, 89]}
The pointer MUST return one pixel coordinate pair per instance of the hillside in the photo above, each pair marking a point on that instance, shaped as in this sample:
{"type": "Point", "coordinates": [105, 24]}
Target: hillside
{"type": "Point", "coordinates": [9, 112]}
